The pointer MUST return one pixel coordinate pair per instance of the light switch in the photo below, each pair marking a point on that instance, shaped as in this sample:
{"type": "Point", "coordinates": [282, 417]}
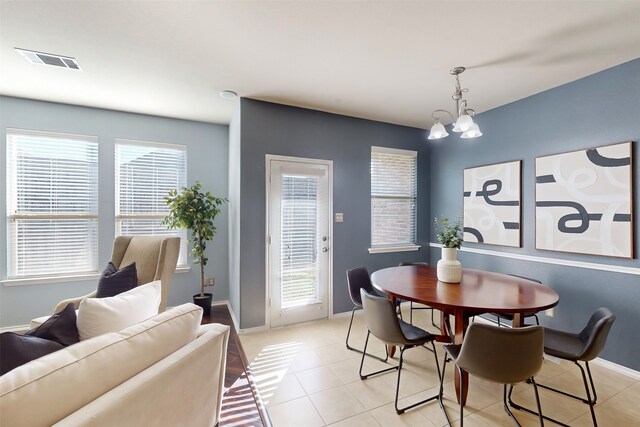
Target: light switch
{"type": "Point", "coordinates": [339, 217]}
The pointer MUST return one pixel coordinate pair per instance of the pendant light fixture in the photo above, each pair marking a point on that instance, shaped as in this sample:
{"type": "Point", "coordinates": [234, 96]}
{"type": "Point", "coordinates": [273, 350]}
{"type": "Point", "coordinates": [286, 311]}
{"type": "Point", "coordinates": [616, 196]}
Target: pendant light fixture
{"type": "Point", "coordinates": [464, 122]}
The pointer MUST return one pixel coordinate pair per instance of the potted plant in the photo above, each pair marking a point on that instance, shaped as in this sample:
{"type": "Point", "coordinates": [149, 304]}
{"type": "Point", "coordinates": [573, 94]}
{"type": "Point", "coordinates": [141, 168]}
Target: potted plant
{"type": "Point", "coordinates": [195, 211]}
{"type": "Point", "coordinates": [449, 234]}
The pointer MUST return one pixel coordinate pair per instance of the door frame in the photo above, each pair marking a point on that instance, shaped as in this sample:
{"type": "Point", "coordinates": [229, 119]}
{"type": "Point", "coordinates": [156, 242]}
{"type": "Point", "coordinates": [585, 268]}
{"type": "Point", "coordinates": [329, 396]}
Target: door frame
{"type": "Point", "coordinates": [267, 270]}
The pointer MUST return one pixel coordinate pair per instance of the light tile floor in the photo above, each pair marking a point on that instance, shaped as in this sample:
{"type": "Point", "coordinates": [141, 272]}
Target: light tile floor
{"type": "Point", "coordinates": [308, 378]}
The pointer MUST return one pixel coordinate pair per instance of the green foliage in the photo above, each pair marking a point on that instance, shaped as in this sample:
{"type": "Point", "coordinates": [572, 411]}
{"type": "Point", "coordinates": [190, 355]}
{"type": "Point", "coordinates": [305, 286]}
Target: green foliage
{"type": "Point", "coordinates": [448, 234]}
{"type": "Point", "coordinates": [195, 211]}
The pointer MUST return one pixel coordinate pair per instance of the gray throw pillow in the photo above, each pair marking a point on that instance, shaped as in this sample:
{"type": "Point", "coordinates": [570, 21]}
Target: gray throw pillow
{"type": "Point", "coordinates": [16, 350]}
{"type": "Point", "coordinates": [113, 281]}
{"type": "Point", "coordinates": [60, 327]}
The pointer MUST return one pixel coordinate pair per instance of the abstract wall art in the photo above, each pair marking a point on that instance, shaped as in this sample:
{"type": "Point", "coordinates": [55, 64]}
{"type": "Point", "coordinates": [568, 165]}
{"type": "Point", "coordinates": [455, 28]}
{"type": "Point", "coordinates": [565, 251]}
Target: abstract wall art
{"type": "Point", "coordinates": [584, 201]}
{"type": "Point", "coordinates": [492, 204]}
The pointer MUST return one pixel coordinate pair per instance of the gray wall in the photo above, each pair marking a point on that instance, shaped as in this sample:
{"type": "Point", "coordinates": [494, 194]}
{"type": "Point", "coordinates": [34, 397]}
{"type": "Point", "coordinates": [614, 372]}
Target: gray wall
{"type": "Point", "coordinates": [276, 129]}
{"type": "Point", "coordinates": [597, 110]}
{"type": "Point", "coordinates": [234, 212]}
{"type": "Point", "coordinates": [207, 157]}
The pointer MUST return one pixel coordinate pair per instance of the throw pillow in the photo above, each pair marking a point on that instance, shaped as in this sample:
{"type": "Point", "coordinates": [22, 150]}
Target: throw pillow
{"type": "Point", "coordinates": [97, 316]}
{"type": "Point", "coordinates": [113, 281]}
{"type": "Point", "coordinates": [19, 349]}
{"type": "Point", "coordinates": [60, 327]}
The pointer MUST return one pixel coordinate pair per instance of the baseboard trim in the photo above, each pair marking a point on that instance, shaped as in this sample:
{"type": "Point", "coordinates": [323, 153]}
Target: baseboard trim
{"type": "Point", "coordinates": [555, 261]}
{"type": "Point", "coordinates": [252, 330]}
{"type": "Point", "coordinates": [617, 368]}
{"type": "Point", "coordinates": [342, 314]}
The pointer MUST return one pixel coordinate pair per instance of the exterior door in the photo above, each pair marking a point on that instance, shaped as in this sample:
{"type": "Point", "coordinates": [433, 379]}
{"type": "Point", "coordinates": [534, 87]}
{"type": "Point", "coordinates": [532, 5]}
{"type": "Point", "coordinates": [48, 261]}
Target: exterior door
{"type": "Point", "coordinates": [298, 240]}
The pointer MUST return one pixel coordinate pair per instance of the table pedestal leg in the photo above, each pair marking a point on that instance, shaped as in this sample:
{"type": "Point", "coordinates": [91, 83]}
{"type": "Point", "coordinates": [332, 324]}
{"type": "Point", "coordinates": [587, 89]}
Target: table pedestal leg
{"type": "Point", "coordinates": [518, 320]}
{"type": "Point", "coordinates": [462, 322]}
{"type": "Point", "coordinates": [391, 349]}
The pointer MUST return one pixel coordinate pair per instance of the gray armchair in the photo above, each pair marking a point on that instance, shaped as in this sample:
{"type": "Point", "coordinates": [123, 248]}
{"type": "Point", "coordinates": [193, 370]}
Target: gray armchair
{"type": "Point", "coordinates": [155, 257]}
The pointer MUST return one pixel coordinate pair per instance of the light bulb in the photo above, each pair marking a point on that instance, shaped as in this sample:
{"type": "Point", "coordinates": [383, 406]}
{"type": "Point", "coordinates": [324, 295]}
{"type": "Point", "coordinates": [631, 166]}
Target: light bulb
{"type": "Point", "coordinates": [463, 123]}
{"type": "Point", "coordinates": [472, 132]}
{"type": "Point", "coordinates": [437, 131]}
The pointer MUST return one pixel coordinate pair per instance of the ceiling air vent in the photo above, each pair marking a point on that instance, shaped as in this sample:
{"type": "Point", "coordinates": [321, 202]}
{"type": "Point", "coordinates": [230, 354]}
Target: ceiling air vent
{"type": "Point", "coordinates": [49, 59]}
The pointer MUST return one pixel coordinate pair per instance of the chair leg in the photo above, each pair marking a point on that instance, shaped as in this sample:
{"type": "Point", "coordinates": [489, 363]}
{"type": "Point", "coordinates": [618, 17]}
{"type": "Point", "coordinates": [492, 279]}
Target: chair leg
{"type": "Point", "coordinates": [353, 312]}
{"type": "Point", "coordinates": [411, 312]}
{"type": "Point", "coordinates": [437, 396]}
{"type": "Point", "coordinates": [539, 413]}
{"type": "Point", "coordinates": [588, 400]}
{"type": "Point", "coordinates": [537, 320]}
{"type": "Point", "coordinates": [535, 389]}
{"type": "Point", "coordinates": [433, 322]}
{"type": "Point", "coordinates": [364, 353]}
{"type": "Point", "coordinates": [441, 392]}
{"type": "Point", "coordinates": [506, 406]}
{"type": "Point", "coordinates": [595, 396]}
{"type": "Point", "coordinates": [586, 387]}
{"type": "Point", "coordinates": [461, 388]}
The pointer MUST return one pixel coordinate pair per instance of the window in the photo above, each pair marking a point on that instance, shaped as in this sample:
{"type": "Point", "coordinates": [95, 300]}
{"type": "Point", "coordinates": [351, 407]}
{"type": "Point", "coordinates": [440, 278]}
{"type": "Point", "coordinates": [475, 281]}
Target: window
{"type": "Point", "coordinates": [52, 204]}
{"type": "Point", "coordinates": [145, 172]}
{"type": "Point", "coordinates": [393, 199]}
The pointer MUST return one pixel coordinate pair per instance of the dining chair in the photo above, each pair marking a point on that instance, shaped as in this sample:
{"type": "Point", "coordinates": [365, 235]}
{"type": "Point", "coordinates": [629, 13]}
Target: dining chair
{"type": "Point", "coordinates": [503, 355]}
{"type": "Point", "coordinates": [383, 323]}
{"type": "Point", "coordinates": [581, 347]}
{"type": "Point", "coordinates": [357, 279]}
{"type": "Point", "coordinates": [411, 307]}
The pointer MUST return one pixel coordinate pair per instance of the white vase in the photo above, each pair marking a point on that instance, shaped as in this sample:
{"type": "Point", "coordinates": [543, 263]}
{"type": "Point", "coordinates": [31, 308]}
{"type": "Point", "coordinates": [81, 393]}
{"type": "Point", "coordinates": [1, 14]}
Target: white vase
{"type": "Point", "coordinates": [449, 268]}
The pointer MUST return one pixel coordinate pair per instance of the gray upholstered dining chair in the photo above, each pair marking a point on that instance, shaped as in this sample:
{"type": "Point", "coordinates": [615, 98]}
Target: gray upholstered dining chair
{"type": "Point", "coordinates": [357, 279]}
{"type": "Point", "coordinates": [581, 347]}
{"type": "Point", "coordinates": [411, 307]}
{"type": "Point", "coordinates": [384, 324]}
{"type": "Point", "coordinates": [501, 355]}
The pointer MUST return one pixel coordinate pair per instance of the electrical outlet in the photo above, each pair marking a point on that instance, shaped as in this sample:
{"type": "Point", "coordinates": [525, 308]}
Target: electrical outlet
{"type": "Point", "coordinates": [339, 217]}
{"type": "Point", "coordinates": [210, 281]}
{"type": "Point", "coordinates": [550, 312]}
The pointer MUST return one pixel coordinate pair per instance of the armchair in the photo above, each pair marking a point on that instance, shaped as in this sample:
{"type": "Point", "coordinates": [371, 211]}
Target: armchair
{"type": "Point", "coordinates": [155, 257]}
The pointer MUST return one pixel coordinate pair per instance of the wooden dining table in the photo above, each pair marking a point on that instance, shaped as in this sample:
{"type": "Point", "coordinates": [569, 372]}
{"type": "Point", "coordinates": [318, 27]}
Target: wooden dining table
{"type": "Point", "coordinates": [478, 292]}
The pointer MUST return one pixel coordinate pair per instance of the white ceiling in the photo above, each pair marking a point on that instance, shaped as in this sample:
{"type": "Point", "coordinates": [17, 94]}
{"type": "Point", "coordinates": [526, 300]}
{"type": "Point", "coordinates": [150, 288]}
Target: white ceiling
{"type": "Point", "coordinates": [383, 60]}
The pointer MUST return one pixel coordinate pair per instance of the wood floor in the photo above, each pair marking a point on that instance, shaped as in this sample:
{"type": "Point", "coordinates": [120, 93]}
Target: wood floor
{"type": "Point", "coordinates": [241, 403]}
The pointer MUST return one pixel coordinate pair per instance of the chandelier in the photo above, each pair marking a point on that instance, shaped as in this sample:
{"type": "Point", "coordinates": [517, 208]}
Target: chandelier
{"type": "Point", "coordinates": [464, 122]}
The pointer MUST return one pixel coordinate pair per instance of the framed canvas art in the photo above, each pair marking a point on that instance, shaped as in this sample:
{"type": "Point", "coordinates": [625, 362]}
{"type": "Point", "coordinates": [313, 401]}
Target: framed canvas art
{"type": "Point", "coordinates": [584, 201]}
{"type": "Point", "coordinates": [492, 204]}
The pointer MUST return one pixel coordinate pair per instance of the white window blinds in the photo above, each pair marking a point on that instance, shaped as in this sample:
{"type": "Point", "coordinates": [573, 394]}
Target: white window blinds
{"type": "Point", "coordinates": [145, 172]}
{"type": "Point", "coordinates": [52, 204]}
{"type": "Point", "coordinates": [299, 239]}
{"type": "Point", "coordinates": [393, 197]}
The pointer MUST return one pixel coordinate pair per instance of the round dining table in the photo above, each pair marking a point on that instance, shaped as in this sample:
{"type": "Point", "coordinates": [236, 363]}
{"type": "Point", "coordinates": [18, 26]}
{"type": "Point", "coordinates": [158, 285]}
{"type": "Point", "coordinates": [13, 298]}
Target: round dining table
{"type": "Point", "coordinates": [478, 292]}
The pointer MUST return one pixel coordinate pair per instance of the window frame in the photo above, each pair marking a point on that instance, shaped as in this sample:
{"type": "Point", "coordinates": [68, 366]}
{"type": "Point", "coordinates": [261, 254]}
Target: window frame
{"type": "Point", "coordinates": [11, 176]}
{"type": "Point", "coordinates": [404, 246]}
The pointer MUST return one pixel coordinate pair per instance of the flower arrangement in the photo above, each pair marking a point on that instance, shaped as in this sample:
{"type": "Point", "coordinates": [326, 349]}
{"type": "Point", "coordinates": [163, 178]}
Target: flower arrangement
{"type": "Point", "coordinates": [449, 234]}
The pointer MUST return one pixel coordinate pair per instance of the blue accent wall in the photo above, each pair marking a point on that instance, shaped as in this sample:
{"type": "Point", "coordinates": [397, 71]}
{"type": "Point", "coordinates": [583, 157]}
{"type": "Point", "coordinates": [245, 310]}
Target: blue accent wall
{"type": "Point", "coordinates": [207, 160]}
{"type": "Point", "coordinates": [601, 109]}
{"type": "Point", "coordinates": [267, 128]}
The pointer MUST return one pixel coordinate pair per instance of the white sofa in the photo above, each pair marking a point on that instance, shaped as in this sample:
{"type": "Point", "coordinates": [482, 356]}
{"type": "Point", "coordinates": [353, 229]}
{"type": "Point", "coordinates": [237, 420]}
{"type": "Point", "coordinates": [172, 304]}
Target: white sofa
{"type": "Point", "coordinates": [165, 371]}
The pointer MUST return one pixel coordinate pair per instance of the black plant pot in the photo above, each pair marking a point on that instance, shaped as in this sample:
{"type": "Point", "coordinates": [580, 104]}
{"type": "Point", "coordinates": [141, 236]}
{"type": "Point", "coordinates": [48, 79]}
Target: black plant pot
{"type": "Point", "coordinates": [204, 302]}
